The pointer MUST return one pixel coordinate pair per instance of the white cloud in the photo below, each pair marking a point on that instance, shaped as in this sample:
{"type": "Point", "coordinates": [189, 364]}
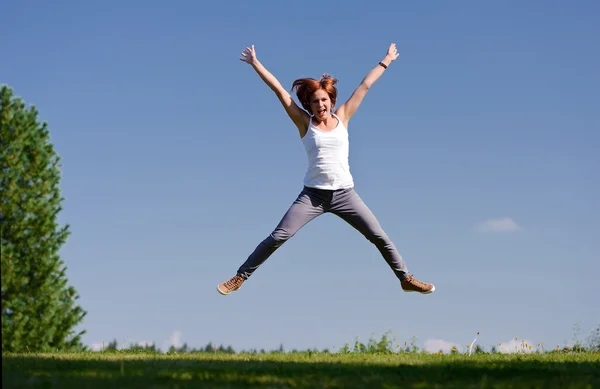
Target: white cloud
{"type": "Point", "coordinates": [97, 346]}
{"type": "Point", "coordinates": [435, 345]}
{"type": "Point", "coordinates": [175, 339]}
{"type": "Point", "coordinates": [506, 224]}
{"type": "Point", "coordinates": [516, 346]}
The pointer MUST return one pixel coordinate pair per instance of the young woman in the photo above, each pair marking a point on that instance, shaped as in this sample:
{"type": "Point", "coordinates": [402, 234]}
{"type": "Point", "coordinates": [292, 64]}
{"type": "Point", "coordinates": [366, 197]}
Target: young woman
{"type": "Point", "coordinates": [328, 184]}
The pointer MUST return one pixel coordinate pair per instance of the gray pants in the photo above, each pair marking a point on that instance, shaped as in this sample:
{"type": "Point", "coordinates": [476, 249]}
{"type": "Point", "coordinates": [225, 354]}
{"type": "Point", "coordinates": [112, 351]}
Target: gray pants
{"type": "Point", "coordinates": [311, 203]}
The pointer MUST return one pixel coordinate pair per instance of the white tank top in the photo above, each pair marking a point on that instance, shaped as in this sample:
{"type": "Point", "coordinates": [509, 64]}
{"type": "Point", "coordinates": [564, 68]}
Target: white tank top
{"type": "Point", "coordinates": [327, 153]}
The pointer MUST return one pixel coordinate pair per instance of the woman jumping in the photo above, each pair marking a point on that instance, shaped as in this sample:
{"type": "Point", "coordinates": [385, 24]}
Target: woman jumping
{"type": "Point", "coordinates": [328, 184]}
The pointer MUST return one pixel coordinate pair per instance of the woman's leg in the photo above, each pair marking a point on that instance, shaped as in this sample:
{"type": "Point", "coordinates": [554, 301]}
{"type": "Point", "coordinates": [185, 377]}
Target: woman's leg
{"type": "Point", "coordinates": [348, 205]}
{"type": "Point", "coordinates": [308, 205]}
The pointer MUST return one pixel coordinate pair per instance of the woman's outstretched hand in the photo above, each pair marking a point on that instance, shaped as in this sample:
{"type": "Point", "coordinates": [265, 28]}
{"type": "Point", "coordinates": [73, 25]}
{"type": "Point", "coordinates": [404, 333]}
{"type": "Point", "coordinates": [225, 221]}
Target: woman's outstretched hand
{"type": "Point", "coordinates": [249, 55]}
{"type": "Point", "coordinates": [392, 53]}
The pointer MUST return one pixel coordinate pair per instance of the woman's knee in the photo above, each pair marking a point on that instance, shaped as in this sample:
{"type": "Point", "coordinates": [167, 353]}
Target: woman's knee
{"type": "Point", "coordinates": [278, 237]}
{"type": "Point", "coordinates": [378, 238]}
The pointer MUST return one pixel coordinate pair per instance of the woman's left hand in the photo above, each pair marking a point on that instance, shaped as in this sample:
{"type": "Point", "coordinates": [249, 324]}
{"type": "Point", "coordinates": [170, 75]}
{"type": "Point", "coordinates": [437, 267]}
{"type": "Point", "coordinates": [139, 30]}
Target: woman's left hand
{"type": "Point", "coordinates": [392, 53]}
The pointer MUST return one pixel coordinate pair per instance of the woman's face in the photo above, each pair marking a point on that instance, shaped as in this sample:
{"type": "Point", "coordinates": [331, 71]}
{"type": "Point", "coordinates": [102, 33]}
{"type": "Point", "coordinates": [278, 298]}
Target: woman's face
{"type": "Point", "coordinates": [320, 104]}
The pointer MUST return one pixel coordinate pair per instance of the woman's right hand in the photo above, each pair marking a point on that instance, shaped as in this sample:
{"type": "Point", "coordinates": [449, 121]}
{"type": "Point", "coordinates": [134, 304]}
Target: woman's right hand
{"type": "Point", "coordinates": [249, 55]}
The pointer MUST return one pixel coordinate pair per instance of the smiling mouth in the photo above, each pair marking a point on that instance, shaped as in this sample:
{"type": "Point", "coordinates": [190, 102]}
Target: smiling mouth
{"type": "Point", "coordinates": [322, 112]}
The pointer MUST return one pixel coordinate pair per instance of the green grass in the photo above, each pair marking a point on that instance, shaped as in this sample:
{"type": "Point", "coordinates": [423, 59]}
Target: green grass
{"type": "Point", "coordinates": [300, 370]}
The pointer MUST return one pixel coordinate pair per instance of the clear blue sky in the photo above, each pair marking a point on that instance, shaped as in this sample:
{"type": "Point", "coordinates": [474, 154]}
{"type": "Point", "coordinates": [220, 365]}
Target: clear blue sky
{"type": "Point", "coordinates": [477, 150]}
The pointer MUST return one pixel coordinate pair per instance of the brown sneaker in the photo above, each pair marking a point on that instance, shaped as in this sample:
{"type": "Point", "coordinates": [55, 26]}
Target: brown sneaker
{"type": "Point", "coordinates": [411, 284]}
{"type": "Point", "coordinates": [232, 285]}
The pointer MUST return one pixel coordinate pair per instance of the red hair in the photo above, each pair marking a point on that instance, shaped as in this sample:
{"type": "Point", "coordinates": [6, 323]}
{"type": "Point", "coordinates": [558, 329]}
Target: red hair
{"type": "Point", "coordinates": [307, 86]}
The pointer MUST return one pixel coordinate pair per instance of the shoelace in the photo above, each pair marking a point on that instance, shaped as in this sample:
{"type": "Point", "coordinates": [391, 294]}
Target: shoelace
{"type": "Point", "coordinates": [411, 279]}
{"type": "Point", "coordinates": [234, 282]}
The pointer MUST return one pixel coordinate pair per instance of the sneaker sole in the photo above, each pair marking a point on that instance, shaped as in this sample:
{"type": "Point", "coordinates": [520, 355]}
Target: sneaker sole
{"type": "Point", "coordinates": [428, 292]}
{"type": "Point", "coordinates": [226, 293]}
{"type": "Point", "coordinates": [221, 292]}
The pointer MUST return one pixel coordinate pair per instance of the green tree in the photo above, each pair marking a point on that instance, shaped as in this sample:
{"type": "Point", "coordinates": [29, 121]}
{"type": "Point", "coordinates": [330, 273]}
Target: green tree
{"type": "Point", "coordinates": [143, 347]}
{"type": "Point", "coordinates": [112, 346]}
{"type": "Point", "coordinates": [594, 339]}
{"type": "Point", "coordinates": [38, 306]}
{"type": "Point", "coordinates": [183, 349]}
{"type": "Point", "coordinates": [209, 348]}
{"type": "Point", "coordinates": [478, 349]}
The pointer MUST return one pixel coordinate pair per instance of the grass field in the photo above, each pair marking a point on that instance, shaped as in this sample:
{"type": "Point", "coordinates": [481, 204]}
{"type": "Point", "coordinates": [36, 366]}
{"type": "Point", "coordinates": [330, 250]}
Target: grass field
{"type": "Point", "coordinates": [300, 370]}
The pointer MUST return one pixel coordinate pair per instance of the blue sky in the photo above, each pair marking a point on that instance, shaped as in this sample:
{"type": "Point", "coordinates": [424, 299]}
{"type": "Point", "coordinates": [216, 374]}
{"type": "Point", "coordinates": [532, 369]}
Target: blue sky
{"type": "Point", "coordinates": [477, 150]}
